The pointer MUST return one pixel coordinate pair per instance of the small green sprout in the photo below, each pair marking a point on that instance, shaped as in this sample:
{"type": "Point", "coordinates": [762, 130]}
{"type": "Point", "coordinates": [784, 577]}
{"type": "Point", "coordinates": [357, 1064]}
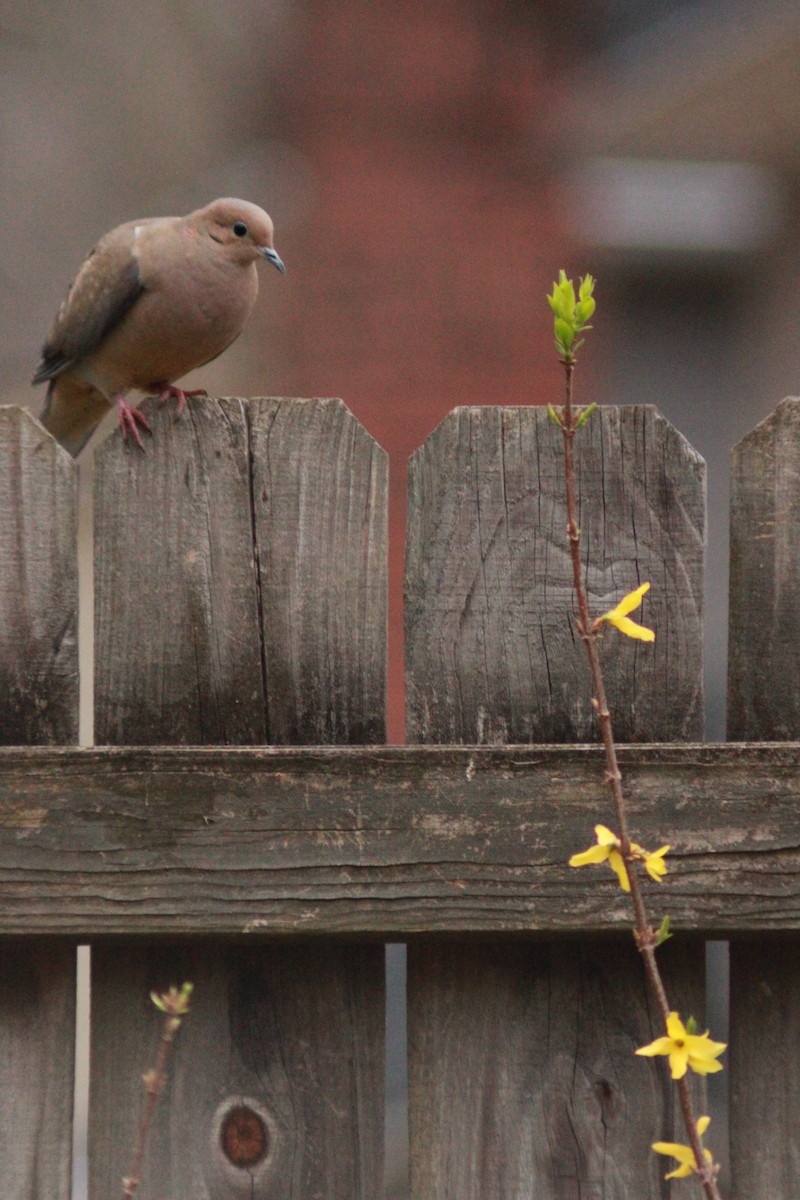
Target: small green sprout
{"type": "Point", "coordinates": [571, 314]}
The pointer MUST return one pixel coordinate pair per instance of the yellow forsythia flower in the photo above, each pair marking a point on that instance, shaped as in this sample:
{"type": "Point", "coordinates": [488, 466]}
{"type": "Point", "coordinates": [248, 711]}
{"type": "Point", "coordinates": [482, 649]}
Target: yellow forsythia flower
{"type": "Point", "coordinates": [654, 863]}
{"type": "Point", "coordinates": [684, 1154]}
{"type": "Point", "coordinates": [619, 616]}
{"type": "Point", "coordinates": [607, 849]}
{"type": "Point", "coordinates": [693, 1050]}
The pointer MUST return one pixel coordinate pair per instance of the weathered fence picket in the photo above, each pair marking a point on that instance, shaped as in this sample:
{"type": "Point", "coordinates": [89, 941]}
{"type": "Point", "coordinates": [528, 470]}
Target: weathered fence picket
{"type": "Point", "coordinates": [240, 572]}
{"type": "Point", "coordinates": [240, 824]}
{"type": "Point", "coordinates": [241, 598]}
{"type": "Point", "coordinates": [38, 586]}
{"type": "Point", "coordinates": [38, 706]}
{"type": "Point", "coordinates": [491, 647]}
{"type": "Point", "coordinates": [764, 703]}
{"type": "Point", "coordinates": [520, 1056]}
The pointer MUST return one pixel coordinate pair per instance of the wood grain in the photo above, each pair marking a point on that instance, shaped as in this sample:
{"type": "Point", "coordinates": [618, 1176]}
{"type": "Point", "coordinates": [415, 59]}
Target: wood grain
{"type": "Point", "coordinates": [255, 612]}
{"type": "Point", "coordinates": [763, 667]}
{"type": "Point", "coordinates": [38, 707]}
{"type": "Point", "coordinates": [37, 1027]}
{"type": "Point", "coordinates": [320, 525]}
{"type": "Point", "coordinates": [541, 1094]}
{"type": "Point", "coordinates": [762, 1062]}
{"type": "Point", "coordinates": [177, 630]}
{"type": "Point", "coordinates": [38, 585]}
{"type": "Point", "coordinates": [387, 840]}
{"type": "Point", "coordinates": [492, 651]}
{"type": "Point", "coordinates": [763, 702]}
{"type": "Point", "coordinates": [240, 569]}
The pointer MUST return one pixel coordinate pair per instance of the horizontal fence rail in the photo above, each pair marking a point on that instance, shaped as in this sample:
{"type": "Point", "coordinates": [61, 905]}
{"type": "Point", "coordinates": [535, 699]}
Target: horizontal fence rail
{"type": "Point", "coordinates": [390, 841]}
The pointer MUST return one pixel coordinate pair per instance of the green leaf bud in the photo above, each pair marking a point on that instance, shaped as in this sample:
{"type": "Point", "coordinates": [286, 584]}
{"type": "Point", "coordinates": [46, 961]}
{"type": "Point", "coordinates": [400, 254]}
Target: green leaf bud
{"type": "Point", "coordinates": [584, 310]}
{"type": "Point", "coordinates": [564, 332]}
{"type": "Point", "coordinates": [585, 414]}
{"type": "Point", "coordinates": [663, 932]}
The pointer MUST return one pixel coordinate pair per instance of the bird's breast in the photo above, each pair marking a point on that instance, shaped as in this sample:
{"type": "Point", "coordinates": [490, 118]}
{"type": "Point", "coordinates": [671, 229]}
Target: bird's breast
{"type": "Point", "coordinates": [181, 321]}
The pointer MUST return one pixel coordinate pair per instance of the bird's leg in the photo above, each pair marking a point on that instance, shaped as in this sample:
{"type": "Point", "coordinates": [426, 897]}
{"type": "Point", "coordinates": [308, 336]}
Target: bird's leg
{"type": "Point", "coordinates": [129, 419]}
{"type": "Point", "coordinates": [167, 391]}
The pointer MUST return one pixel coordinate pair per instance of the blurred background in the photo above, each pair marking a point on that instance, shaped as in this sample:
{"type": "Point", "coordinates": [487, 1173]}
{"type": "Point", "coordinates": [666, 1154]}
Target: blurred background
{"type": "Point", "coordinates": [429, 167]}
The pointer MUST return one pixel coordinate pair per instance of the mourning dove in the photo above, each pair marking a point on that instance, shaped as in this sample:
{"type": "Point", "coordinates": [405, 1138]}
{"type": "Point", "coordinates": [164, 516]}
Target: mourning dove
{"type": "Point", "coordinates": [153, 300]}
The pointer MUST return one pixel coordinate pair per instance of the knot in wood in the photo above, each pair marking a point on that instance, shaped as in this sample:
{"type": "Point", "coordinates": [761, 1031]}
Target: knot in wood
{"type": "Point", "coordinates": [244, 1137]}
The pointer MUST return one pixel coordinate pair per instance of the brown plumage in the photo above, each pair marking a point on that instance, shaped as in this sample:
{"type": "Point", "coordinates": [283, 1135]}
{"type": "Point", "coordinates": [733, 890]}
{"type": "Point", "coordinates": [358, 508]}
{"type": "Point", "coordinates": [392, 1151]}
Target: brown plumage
{"type": "Point", "coordinates": [153, 300]}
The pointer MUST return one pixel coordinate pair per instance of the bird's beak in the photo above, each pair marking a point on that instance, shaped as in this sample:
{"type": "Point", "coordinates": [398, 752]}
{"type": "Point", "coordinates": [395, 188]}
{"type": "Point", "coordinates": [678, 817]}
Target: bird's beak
{"type": "Point", "coordinates": [272, 256]}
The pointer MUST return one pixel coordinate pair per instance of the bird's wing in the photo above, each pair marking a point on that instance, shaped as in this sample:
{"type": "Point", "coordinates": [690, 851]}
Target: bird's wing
{"type": "Point", "coordinates": [104, 290]}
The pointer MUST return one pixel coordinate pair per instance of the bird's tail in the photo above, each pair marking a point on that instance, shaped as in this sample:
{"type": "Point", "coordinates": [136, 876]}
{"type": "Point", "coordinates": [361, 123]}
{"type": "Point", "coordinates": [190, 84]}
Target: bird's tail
{"type": "Point", "coordinates": [72, 411]}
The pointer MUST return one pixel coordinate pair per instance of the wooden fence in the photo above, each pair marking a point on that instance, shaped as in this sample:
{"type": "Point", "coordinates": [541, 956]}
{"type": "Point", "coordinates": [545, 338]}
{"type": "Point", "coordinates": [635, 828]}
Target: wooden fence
{"type": "Point", "coordinates": [240, 824]}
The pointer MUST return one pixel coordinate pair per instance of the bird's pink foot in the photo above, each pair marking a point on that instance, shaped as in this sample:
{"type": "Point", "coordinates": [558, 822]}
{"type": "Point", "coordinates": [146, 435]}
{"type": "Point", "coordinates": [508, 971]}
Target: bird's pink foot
{"type": "Point", "coordinates": [130, 419]}
{"type": "Point", "coordinates": [166, 392]}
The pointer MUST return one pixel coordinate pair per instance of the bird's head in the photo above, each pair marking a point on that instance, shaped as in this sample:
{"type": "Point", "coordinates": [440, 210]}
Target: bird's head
{"type": "Point", "coordinates": [244, 230]}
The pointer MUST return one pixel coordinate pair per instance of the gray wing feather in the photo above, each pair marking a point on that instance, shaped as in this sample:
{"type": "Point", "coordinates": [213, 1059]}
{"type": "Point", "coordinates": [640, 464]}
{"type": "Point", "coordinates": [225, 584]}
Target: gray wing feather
{"type": "Point", "coordinates": [105, 289]}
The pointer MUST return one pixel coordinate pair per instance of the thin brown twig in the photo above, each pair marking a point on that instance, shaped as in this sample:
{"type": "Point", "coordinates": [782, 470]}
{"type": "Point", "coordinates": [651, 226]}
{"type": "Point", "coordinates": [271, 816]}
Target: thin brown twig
{"type": "Point", "coordinates": [154, 1084]}
{"type": "Point", "coordinates": [175, 1005]}
{"type": "Point", "coordinates": [644, 935]}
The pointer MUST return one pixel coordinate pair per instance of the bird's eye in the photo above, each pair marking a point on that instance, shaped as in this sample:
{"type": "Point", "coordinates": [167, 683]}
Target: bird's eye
{"type": "Point", "coordinates": [240, 229]}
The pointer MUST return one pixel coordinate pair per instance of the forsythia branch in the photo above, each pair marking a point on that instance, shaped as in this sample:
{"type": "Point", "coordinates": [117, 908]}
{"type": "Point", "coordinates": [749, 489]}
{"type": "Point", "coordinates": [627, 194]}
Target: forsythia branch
{"type": "Point", "coordinates": [686, 1049]}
